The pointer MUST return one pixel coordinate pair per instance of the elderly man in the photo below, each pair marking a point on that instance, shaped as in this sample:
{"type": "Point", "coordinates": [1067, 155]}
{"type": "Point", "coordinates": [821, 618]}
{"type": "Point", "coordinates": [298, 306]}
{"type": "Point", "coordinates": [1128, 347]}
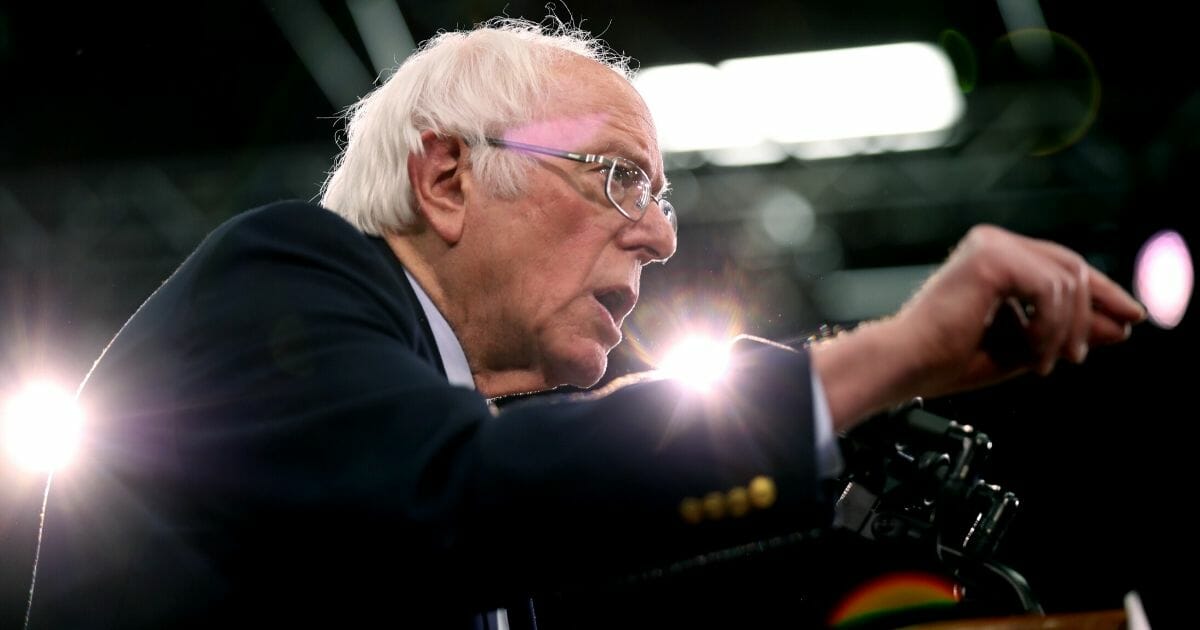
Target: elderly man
{"type": "Point", "coordinates": [295, 428]}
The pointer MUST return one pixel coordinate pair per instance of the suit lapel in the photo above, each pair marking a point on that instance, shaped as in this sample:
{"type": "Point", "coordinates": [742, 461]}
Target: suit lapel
{"type": "Point", "coordinates": [424, 333]}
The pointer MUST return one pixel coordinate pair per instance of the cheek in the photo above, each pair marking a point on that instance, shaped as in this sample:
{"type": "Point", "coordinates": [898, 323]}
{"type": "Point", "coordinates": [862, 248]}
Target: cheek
{"type": "Point", "coordinates": [553, 290]}
{"type": "Point", "coordinates": [562, 242]}
{"type": "Point", "coordinates": [569, 268]}
{"type": "Point", "coordinates": [564, 259]}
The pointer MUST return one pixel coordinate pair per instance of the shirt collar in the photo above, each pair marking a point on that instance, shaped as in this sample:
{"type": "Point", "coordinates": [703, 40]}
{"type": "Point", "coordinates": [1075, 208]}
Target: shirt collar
{"type": "Point", "coordinates": [458, 371]}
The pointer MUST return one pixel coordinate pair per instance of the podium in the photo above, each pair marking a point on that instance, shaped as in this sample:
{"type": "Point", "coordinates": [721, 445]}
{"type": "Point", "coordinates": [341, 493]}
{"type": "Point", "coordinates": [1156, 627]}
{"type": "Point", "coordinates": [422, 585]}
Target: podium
{"type": "Point", "coordinates": [1099, 620]}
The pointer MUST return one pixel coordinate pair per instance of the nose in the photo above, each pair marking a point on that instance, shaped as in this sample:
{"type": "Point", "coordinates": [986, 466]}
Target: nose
{"type": "Point", "coordinates": [652, 236]}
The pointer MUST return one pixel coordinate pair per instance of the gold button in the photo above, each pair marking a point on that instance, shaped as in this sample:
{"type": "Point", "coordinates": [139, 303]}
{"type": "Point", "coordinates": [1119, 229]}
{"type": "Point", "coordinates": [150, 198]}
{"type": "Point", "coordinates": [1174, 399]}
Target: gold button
{"type": "Point", "coordinates": [691, 510]}
{"type": "Point", "coordinates": [739, 501]}
{"type": "Point", "coordinates": [762, 492]}
{"type": "Point", "coordinates": [714, 505]}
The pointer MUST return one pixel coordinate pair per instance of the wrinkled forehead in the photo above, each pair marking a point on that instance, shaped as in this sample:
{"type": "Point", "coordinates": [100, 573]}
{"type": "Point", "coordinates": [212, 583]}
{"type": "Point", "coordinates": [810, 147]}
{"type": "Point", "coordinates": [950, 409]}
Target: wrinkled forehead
{"type": "Point", "coordinates": [591, 109]}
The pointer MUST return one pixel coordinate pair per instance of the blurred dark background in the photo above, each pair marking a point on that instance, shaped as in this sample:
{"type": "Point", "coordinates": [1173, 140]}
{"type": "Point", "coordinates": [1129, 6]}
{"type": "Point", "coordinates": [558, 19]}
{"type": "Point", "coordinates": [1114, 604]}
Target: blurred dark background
{"type": "Point", "coordinates": [127, 133]}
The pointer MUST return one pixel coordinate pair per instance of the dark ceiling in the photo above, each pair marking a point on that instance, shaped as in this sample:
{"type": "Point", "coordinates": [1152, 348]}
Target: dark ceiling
{"type": "Point", "coordinates": [95, 82]}
{"type": "Point", "coordinates": [128, 132]}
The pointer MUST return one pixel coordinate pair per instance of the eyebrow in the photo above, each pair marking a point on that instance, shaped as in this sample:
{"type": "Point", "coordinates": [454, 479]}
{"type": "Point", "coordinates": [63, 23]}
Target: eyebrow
{"type": "Point", "coordinates": [617, 147]}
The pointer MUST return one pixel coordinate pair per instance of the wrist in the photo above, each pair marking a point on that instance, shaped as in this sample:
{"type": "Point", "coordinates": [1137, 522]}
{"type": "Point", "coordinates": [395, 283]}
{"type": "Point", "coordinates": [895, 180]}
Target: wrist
{"type": "Point", "coordinates": [864, 371]}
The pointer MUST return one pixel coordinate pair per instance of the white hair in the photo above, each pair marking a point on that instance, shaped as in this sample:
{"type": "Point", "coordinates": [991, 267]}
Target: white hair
{"type": "Point", "coordinates": [473, 84]}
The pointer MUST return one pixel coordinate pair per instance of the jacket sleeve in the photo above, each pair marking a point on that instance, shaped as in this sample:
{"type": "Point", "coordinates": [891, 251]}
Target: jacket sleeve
{"type": "Point", "coordinates": [302, 415]}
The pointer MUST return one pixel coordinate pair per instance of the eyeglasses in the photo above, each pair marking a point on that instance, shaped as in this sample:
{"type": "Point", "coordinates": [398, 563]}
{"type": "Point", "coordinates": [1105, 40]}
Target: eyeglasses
{"type": "Point", "coordinates": [627, 185]}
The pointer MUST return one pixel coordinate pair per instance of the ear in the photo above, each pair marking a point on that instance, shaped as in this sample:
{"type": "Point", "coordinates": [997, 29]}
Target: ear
{"type": "Point", "coordinates": [437, 183]}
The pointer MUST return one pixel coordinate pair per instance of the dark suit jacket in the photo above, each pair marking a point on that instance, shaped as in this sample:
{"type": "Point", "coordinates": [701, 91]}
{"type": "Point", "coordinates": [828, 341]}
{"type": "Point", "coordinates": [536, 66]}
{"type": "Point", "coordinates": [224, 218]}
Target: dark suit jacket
{"type": "Point", "coordinates": [273, 440]}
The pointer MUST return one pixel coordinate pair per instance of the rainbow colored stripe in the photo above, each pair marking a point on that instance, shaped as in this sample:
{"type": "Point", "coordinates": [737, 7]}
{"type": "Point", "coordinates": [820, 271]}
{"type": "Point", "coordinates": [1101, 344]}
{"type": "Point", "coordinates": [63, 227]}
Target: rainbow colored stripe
{"type": "Point", "coordinates": [892, 593]}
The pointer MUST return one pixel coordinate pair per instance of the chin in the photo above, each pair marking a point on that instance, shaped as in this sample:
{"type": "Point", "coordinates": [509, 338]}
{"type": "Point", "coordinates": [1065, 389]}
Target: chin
{"type": "Point", "coordinates": [583, 367]}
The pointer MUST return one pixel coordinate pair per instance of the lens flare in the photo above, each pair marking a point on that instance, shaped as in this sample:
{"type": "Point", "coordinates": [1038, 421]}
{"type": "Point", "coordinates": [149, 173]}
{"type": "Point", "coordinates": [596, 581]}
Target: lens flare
{"type": "Point", "coordinates": [712, 303]}
{"type": "Point", "coordinates": [1062, 95]}
{"type": "Point", "coordinates": [697, 361]}
{"type": "Point", "coordinates": [42, 427]}
{"type": "Point", "coordinates": [1163, 278]}
{"type": "Point", "coordinates": [894, 593]}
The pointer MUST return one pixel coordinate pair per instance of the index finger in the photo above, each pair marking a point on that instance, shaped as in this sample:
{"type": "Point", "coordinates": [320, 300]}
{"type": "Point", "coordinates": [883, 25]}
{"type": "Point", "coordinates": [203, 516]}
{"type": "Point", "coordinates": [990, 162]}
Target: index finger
{"type": "Point", "coordinates": [1109, 298]}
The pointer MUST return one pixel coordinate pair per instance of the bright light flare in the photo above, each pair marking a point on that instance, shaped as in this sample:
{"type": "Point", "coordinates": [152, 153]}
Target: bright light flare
{"type": "Point", "coordinates": [42, 426]}
{"type": "Point", "coordinates": [863, 92]}
{"type": "Point", "coordinates": [699, 362]}
{"type": "Point", "coordinates": [818, 104]}
{"type": "Point", "coordinates": [1163, 278]}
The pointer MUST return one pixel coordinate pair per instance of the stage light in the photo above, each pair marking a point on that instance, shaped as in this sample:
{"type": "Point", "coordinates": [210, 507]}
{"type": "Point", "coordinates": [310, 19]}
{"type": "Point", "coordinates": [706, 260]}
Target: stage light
{"type": "Point", "coordinates": [820, 104]}
{"type": "Point", "coordinates": [41, 427]}
{"type": "Point", "coordinates": [694, 109]}
{"type": "Point", "coordinates": [1163, 278]}
{"type": "Point", "coordinates": [697, 361]}
{"type": "Point", "coordinates": [873, 91]}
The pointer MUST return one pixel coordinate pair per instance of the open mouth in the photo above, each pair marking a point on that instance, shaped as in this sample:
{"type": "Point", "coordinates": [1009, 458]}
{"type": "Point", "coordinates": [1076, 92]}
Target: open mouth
{"type": "Point", "coordinates": [618, 302]}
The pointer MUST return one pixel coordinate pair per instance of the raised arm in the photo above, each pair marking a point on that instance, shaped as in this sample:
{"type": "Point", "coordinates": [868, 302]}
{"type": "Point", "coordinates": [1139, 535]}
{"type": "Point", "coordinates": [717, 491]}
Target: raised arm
{"type": "Point", "coordinates": [939, 341]}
